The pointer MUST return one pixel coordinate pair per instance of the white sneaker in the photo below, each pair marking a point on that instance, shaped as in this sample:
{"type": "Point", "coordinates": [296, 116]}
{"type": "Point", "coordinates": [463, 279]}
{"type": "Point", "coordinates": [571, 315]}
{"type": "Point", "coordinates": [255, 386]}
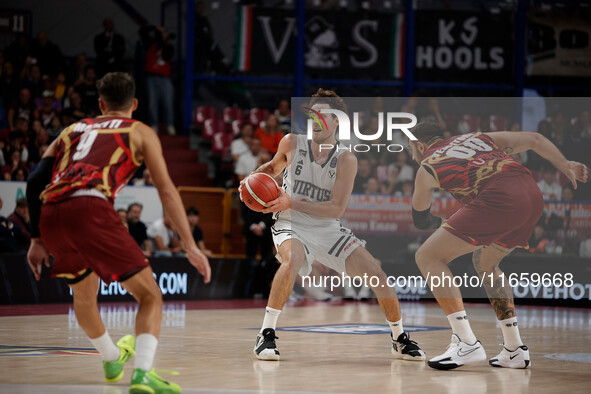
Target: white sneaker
{"type": "Point", "coordinates": [364, 294]}
{"type": "Point", "coordinates": [265, 347]}
{"type": "Point", "coordinates": [318, 293]}
{"type": "Point", "coordinates": [518, 358]}
{"type": "Point", "coordinates": [458, 353]}
{"type": "Point", "coordinates": [349, 293]}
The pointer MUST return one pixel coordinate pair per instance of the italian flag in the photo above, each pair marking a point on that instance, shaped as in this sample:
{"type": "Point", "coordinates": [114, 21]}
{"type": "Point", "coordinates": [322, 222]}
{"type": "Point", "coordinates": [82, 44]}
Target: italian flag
{"type": "Point", "coordinates": [397, 51]}
{"type": "Point", "coordinates": [243, 39]}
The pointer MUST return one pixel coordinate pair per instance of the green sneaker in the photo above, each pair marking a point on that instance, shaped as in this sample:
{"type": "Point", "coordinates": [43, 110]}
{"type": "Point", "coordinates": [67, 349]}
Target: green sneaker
{"type": "Point", "coordinates": [143, 382]}
{"type": "Point", "coordinates": [114, 369]}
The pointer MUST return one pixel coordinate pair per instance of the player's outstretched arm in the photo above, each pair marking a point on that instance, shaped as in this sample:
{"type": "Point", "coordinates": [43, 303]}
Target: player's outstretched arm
{"type": "Point", "coordinates": [36, 183]}
{"type": "Point", "coordinates": [422, 196]}
{"type": "Point", "coordinates": [335, 208]}
{"type": "Point", "coordinates": [512, 142]}
{"type": "Point", "coordinates": [149, 149]}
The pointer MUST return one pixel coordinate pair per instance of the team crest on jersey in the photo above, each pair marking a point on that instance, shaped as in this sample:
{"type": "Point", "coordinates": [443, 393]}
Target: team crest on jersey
{"type": "Point", "coordinates": [331, 173]}
{"type": "Point", "coordinates": [333, 163]}
{"type": "Point", "coordinates": [303, 152]}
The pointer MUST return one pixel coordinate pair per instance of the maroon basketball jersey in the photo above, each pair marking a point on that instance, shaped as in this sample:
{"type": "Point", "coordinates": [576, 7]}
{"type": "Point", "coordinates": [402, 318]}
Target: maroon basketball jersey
{"type": "Point", "coordinates": [93, 154]}
{"type": "Point", "coordinates": [464, 164]}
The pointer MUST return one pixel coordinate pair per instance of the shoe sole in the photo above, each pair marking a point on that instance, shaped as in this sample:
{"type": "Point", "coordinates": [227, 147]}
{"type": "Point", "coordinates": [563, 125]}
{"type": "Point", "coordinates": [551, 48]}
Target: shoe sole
{"type": "Point", "coordinates": [407, 357]}
{"type": "Point", "coordinates": [513, 365]}
{"type": "Point", "coordinates": [115, 379]}
{"type": "Point", "coordinates": [143, 389]}
{"type": "Point", "coordinates": [447, 366]}
{"type": "Point", "coordinates": [267, 357]}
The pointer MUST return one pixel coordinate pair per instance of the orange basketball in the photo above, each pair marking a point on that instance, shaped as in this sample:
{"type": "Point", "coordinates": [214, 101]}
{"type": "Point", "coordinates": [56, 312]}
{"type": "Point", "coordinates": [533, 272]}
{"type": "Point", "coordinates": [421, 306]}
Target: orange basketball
{"type": "Point", "coordinates": [258, 190]}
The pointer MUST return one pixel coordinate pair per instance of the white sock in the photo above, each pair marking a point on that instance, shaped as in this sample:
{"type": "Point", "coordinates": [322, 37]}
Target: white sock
{"type": "Point", "coordinates": [145, 350]}
{"type": "Point", "coordinates": [461, 327]}
{"type": "Point", "coordinates": [105, 346]}
{"type": "Point", "coordinates": [511, 335]}
{"type": "Point", "coordinates": [270, 320]}
{"type": "Point", "coordinates": [396, 327]}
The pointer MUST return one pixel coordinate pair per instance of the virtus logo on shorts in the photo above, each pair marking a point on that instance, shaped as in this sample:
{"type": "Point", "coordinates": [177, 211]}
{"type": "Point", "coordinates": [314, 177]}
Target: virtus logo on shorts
{"type": "Point", "coordinates": [391, 120]}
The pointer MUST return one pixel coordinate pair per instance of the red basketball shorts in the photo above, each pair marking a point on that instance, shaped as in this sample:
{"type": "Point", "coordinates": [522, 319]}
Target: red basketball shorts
{"type": "Point", "coordinates": [505, 212]}
{"type": "Point", "coordinates": [87, 233]}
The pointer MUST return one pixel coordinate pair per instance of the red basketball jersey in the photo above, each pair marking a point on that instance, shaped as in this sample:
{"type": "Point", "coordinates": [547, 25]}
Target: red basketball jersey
{"type": "Point", "coordinates": [464, 164]}
{"type": "Point", "coordinates": [93, 154]}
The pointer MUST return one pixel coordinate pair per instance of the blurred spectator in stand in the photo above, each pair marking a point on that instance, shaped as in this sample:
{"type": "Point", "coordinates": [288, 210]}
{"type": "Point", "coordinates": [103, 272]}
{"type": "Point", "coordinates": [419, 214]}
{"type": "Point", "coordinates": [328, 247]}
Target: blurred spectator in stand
{"type": "Point", "coordinates": [48, 55]}
{"type": "Point", "coordinates": [18, 52]}
{"type": "Point", "coordinates": [22, 108]}
{"type": "Point", "coordinates": [55, 128]}
{"type": "Point", "coordinates": [248, 161]}
{"type": "Point", "coordinates": [87, 90]}
{"type": "Point", "coordinates": [110, 49]}
{"type": "Point", "coordinates": [47, 108]}
{"type": "Point", "coordinates": [433, 114]}
{"type": "Point", "coordinates": [257, 230]}
{"type": "Point", "coordinates": [584, 124]}
{"type": "Point", "coordinates": [535, 161]}
{"type": "Point", "coordinates": [567, 193]}
{"type": "Point", "coordinates": [270, 135]}
{"type": "Point", "coordinates": [406, 189]}
{"type": "Point", "coordinates": [20, 175]}
{"type": "Point", "coordinates": [33, 80]}
{"type": "Point", "coordinates": [35, 144]}
{"type": "Point", "coordinates": [137, 228]}
{"type": "Point", "coordinates": [551, 190]}
{"type": "Point", "coordinates": [406, 172]}
{"type": "Point", "coordinates": [10, 236]}
{"type": "Point", "coordinates": [585, 248]}
{"type": "Point", "coordinates": [159, 52]}
{"type": "Point", "coordinates": [538, 243]}
{"type": "Point", "coordinates": [76, 110]}
{"type": "Point", "coordinates": [372, 186]}
{"type": "Point", "coordinates": [283, 114]}
{"type": "Point", "coordinates": [364, 172]}
{"type": "Point", "coordinates": [559, 128]}
{"type": "Point", "coordinates": [9, 84]}
{"type": "Point", "coordinates": [390, 185]}
{"type": "Point", "coordinates": [20, 218]}
{"type": "Point", "coordinates": [166, 241]}
{"type": "Point", "coordinates": [60, 87]}
{"type": "Point", "coordinates": [123, 215]}
{"type": "Point", "coordinates": [240, 145]}
{"type": "Point", "coordinates": [76, 72]}
{"type": "Point", "coordinates": [193, 217]}
{"type": "Point", "coordinates": [145, 180]}
{"type": "Point", "coordinates": [14, 163]}
{"type": "Point", "coordinates": [211, 57]}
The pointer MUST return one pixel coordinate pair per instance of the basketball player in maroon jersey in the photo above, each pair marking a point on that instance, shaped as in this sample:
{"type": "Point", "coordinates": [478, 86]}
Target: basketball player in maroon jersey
{"type": "Point", "coordinates": [74, 220]}
{"type": "Point", "coordinates": [501, 206]}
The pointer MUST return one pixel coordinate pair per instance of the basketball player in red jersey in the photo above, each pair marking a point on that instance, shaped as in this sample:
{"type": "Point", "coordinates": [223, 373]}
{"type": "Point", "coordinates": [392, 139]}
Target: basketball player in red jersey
{"type": "Point", "coordinates": [74, 220]}
{"type": "Point", "coordinates": [501, 206]}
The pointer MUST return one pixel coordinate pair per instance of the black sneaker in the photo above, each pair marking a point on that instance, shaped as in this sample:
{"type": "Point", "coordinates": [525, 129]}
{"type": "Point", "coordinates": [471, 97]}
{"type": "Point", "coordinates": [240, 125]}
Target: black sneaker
{"type": "Point", "coordinates": [406, 349]}
{"type": "Point", "coordinates": [265, 347]}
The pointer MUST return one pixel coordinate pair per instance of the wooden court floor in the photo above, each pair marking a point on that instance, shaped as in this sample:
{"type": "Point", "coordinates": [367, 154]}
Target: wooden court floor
{"type": "Point", "coordinates": [328, 347]}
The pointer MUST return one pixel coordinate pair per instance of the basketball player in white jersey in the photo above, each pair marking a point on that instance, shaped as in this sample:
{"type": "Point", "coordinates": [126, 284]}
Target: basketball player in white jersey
{"type": "Point", "coordinates": [317, 184]}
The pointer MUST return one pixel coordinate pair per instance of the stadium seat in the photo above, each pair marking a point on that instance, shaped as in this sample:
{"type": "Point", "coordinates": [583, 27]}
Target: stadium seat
{"type": "Point", "coordinates": [236, 126]}
{"type": "Point", "coordinates": [204, 113]}
{"type": "Point", "coordinates": [498, 123]}
{"type": "Point", "coordinates": [212, 127]}
{"type": "Point", "coordinates": [221, 143]}
{"type": "Point", "coordinates": [256, 116]}
{"type": "Point", "coordinates": [230, 114]}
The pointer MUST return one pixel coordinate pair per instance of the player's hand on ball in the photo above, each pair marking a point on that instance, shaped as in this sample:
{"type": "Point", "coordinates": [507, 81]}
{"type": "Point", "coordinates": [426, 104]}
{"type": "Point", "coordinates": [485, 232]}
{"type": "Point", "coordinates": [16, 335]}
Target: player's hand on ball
{"type": "Point", "coordinates": [281, 203]}
{"type": "Point", "coordinates": [242, 182]}
{"type": "Point", "coordinates": [36, 256]}
{"type": "Point", "coordinates": [199, 261]}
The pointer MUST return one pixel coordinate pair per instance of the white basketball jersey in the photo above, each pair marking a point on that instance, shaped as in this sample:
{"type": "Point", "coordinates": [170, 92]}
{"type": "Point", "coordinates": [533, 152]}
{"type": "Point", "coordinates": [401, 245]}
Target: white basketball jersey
{"type": "Point", "coordinates": [306, 180]}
